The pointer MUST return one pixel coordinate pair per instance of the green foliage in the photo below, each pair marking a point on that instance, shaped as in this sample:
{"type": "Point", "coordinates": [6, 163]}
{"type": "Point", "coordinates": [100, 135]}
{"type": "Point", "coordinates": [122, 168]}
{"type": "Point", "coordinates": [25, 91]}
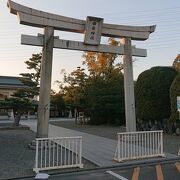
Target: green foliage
{"type": "Point", "coordinates": [105, 100]}
{"type": "Point", "coordinates": [176, 63]}
{"type": "Point", "coordinates": [152, 93]}
{"type": "Point", "coordinates": [174, 92]}
{"type": "Point", "coordinates": [32, 80]}
{"type": "Point", "coordinates": [16, 103]}
{"type": "Point", "coordinates": [21, 100]}
{"type": "Point", "coordinates": [57, 102]}
{"type": "Point", "coordinates": [101, 64]}
{"type": "Point", "coordinates": [72, 88]}
{"type": "Point", "coordinates": [19, 104]}
{"type": "Point", "coordinates": [100, 93]}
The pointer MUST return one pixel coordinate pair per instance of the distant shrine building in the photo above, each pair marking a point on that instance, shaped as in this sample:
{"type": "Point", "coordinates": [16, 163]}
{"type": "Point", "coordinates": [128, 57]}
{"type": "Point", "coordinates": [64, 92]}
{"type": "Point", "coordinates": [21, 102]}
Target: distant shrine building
{"type": "Point", "coordinates": [8, 86]}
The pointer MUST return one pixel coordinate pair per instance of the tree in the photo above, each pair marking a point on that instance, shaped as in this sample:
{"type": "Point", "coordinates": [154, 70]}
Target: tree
{"type": "Point", "coordinates": [104, 88]}
{"type": "Point", "coordinates": [57, 102]}
{"type": "Point", "coordinates": [32, 80]}
{"type": "Point", "coordinates": [72, 88]}
{"type": "Point", "coordinates": [100, 92]}
{"type": "Point", "coordinates": [105, 99]}
{"type": "Point", "coordinates": [176, 63]}
{"type": "Point", "coordinates": [18, 104]}
{"type": "Point", "coordinates": [101, 64]}
{"type": "Point", "coordinates": [152, 93]}
{"type": "Point", "coordinates": [174, 92]}
{"type": "Point", "coordinates": [21, 100]}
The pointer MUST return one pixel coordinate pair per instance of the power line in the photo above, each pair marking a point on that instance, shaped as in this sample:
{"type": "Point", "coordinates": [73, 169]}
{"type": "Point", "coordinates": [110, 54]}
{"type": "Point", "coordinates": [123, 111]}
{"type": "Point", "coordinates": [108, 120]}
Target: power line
{"type": "Point", "coordinates": [142, 11]}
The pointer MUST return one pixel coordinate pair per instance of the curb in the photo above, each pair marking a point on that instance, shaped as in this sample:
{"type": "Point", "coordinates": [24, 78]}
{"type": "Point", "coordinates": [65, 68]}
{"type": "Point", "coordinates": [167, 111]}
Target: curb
{"type": "Point", "coordinates": [125, 165]}
{"type": "Point", "coordinates": [2, 128]}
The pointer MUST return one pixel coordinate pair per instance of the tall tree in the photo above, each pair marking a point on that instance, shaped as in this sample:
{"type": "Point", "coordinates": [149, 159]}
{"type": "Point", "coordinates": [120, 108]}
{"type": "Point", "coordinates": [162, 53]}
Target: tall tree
{"type": "Point", "coordinates": [176, 63]}
{"type": "Point", "coordinates": [19, 103]}
{"type": "Point", "coordinates": [32, 79]}
{"type": "Point", "coordinates": [21, 100]}
{"type": "Point", "coordinates": [105, 99]}
{"type": "Point", "coordinates": [72, 87]}
{"type": "Point", "coordinates": [174, 92]}
{"type": "Point", "coordinates": [101, 64]}
{"type": "Point", "coordinates": [57, 102]}
{"type": "Point", "coordinates": [99, 92]}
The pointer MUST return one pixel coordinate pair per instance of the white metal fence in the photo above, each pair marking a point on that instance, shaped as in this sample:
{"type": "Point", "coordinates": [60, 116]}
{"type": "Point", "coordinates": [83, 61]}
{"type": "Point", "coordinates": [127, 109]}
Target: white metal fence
{"type": "Point", "coordinates": [136, 145]}
{"type": "Point", "coordinates": [60, 152]}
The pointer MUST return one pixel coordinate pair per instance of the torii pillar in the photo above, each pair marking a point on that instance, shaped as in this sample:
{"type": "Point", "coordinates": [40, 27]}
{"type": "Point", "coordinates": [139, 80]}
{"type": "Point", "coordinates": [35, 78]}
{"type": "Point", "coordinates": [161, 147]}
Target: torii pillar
{"type": "Point", "coordinates": [45, 84]}
{"type": "Point", "coordinates": [129, 86]}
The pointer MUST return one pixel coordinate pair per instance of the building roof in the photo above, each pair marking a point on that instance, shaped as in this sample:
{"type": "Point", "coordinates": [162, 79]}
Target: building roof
{"type": "Point", "coordinates": [11, 82]}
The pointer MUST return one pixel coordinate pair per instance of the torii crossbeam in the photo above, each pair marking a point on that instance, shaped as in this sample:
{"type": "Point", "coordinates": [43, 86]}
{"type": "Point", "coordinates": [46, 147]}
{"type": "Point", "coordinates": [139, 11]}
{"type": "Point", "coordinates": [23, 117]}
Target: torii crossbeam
{"type": "Point", "coordinates": [93, 28]}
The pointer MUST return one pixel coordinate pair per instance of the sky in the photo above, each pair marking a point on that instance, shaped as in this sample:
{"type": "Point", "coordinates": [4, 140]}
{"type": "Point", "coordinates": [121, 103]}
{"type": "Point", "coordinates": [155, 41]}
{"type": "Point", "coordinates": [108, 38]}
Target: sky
{"type": "Point", "coordinates": [162, 46]}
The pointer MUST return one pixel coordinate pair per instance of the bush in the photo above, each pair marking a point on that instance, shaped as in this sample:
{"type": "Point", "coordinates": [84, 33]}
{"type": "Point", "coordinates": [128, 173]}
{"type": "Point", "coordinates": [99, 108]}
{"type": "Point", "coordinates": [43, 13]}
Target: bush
{"type": "Point", "coordinates": [105, 100]}
{"type": "Point", "coordinates": [174, 92]}
{"type": "Point", "coordinates": [152, 93]}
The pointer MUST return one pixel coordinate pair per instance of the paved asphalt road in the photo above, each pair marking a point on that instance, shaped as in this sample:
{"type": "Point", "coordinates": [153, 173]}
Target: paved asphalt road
{"type": "Point", "coordinates": [163, 171]}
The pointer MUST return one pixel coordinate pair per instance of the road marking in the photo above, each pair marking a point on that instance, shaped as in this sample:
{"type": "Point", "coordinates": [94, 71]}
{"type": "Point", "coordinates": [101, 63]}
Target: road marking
{"type": "Point", "coordinates": [116, 175]}
{"type": "Point", "coordinates": [177, 164]}
{"type": "Point", "coordinates": [136, 173]}
{"type": "Point", "coordinates": [159, 172]}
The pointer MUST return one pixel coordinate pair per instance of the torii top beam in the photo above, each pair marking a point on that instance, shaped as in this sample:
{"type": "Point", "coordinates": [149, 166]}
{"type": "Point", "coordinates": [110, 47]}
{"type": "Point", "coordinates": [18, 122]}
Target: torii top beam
{"type": "Point", "coordinates": [32, 17]}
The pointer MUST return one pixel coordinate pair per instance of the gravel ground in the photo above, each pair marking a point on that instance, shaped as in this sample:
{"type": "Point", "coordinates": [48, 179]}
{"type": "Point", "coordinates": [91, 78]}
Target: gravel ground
{"type": "Point", "coordinates": [17, 159]}
{"type": "Point", "coordinates": [171, 142]}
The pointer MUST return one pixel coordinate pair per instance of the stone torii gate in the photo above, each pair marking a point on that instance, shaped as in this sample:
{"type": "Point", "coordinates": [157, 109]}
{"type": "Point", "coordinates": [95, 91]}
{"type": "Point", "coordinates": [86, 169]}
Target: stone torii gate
{"type": "Point", "coordinates": [93, 28]}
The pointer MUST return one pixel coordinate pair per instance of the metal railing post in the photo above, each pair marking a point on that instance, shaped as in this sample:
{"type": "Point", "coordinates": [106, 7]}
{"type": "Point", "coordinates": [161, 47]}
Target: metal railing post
{"type": "Point", "coordinates": [141, 144]}
{"type": "Point", "coordinates": [80, 153]}
{"type": "Point", "coordinates": [36, 166]}
{"type": "Point", "coordinates": [118, 148]}
{"type": "Point", "coordinates": [47, 153]}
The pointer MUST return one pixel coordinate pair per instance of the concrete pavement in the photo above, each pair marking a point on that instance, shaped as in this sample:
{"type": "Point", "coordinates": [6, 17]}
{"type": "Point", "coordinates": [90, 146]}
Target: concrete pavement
{"type": "Point", "coordinates": [96, 149]}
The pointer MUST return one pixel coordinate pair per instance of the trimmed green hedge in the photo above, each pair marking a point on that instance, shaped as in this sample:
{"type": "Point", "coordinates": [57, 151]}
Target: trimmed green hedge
{"type": "Point", "coordinates": [174, 92]}
{"type": "Point", "coordinates": [152, 93]}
